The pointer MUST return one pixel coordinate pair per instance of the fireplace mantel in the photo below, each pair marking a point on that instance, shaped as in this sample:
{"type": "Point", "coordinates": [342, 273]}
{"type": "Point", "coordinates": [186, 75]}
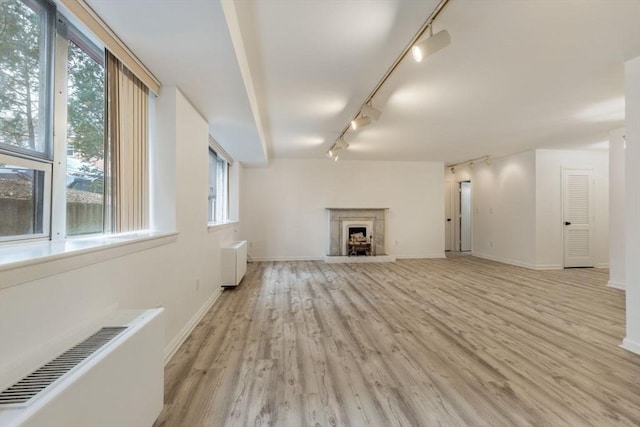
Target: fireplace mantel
{"type": "Point", "coordinates": [338, 215]}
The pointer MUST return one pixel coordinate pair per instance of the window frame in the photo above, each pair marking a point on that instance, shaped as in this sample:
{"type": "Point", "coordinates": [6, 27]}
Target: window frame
{"type": "Point", "coordinates": [67, 33]}
{"type": "Point", "coordinates": [218, 213]}
{"type": "Point", "coordinates": [57, 33]}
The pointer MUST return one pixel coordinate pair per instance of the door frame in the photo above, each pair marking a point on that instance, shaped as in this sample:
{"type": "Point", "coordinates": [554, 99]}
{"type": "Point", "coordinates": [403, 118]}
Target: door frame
{"type": "Point", "coordinates": [449, 220]}
{"type": "Point", "coordinates": [459, 216]}
{"type": "Point", "coordinates": [592, 187]}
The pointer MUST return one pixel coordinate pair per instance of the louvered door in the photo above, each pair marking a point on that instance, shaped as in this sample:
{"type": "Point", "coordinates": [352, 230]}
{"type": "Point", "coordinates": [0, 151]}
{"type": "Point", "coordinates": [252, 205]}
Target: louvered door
{"type": "Point", "coordinates": [578, 219]}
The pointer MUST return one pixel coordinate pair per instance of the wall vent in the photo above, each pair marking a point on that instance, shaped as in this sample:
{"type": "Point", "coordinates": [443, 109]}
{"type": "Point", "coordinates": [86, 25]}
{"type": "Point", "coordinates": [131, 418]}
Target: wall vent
{"type": "Point", "coordinates": [22, 392]}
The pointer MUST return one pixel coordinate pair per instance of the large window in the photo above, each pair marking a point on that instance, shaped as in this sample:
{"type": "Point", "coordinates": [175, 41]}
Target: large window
{"type": "Point", "coordinates": [50, 187]}
{"type": "Point", "coordinates": [218, 188]}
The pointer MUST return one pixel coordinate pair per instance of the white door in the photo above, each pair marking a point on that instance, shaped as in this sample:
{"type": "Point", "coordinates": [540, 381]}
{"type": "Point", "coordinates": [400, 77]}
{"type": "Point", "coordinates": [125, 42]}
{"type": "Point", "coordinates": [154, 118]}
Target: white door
{"type": "Point", "coordinates": [465, 216]}
{"type": "Point", "coordinates": [577, 194]}
{"type": "Point", "coordinates": [448, 218]}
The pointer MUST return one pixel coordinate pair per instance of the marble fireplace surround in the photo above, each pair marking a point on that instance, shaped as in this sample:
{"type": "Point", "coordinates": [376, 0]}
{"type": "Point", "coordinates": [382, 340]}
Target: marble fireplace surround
{"type": "Point", "coordinates": [338, 215]}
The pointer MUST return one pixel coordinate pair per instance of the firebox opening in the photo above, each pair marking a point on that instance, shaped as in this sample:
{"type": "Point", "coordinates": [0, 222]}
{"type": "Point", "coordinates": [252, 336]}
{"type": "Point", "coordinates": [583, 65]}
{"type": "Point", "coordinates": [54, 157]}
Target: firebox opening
{"type": "Point", "coordinates": [358, 233]}
{"type": "Point", "coordinates": [359, 241]}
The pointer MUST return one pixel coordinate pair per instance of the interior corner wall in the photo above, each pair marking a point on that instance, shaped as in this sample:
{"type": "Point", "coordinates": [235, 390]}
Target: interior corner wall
{"type": "Point", "coordinates": [617, 237]}
{"type": "Point", "coordinates": [632, 204]}
{"type": "Point", "coordinates": [549, 219]}
{"type": "Point", "coordinates": [503, 208]}
{"type": "Point", "coordinates": [284, 205]}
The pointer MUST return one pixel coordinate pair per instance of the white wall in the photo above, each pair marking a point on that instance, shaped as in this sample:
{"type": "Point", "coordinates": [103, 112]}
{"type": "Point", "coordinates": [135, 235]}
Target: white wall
{"type": "Point", "coordinates": [617, 239]}
{"type": "Point", "coordinates": [632, 200]}
{"type": "Point", "coordinates": [504, 208]}
{"type": "Point", "coordinates": [284, 205]}
{"type": "Point", "coordinates": [517, 206]}
{"type": "Point", "coordinates": [549, 220]}
{"type": "Point", "coordinates": [235, 175]}
{"type": "Point", "coordinates": [183, 276]}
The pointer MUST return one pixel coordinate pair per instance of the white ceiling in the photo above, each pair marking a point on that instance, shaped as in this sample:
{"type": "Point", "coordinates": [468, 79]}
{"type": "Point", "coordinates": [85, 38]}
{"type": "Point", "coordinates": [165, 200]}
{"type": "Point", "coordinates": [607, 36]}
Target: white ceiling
{"type": "Point", "coordinates": [517, 75]}
{"type": "Point", "coordinates": [186, 43]}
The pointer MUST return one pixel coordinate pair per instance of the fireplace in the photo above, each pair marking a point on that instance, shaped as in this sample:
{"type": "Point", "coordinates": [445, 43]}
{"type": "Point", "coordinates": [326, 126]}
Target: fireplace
{"type": "Point", "coordinates": [345, 226]}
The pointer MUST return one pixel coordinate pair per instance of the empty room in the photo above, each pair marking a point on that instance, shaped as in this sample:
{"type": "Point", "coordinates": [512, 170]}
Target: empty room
{"type": "Point", "coordinates": [319, 213]}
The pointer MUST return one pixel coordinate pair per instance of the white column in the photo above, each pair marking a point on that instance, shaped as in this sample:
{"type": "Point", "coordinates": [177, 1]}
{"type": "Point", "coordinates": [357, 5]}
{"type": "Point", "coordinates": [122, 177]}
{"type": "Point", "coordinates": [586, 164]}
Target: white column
{"type": "Point", "coordinates": [617, 237]}
{"type": "Point", "coordinates": [632, 202]}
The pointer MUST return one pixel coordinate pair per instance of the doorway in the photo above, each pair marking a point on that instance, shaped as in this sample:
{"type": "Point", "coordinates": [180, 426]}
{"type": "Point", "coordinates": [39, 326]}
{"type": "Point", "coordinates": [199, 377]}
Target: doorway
{"type": "Point", "coordinates": [464, 216]}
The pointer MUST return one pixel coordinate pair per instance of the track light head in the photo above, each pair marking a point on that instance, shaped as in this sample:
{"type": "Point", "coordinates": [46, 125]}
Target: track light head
{"type": "Point", "coordinates": [369, 111]}
{"type": "Point", "coordinates": [452, 169]}
{"type": "Point", "coordinates": [430, 45]}
{"type": "Point", "coordinates": [335, 159]}
{"type": "Point", "coordinates": [359, 122]}
{"type": "Point", "coordinates": [341, 143]}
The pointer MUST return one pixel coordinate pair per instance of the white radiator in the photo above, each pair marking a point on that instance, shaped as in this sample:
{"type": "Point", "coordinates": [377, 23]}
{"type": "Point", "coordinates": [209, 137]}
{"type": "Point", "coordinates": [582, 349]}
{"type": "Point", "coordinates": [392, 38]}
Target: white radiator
{"type": "Point", "coordinates": [121, 384]}
{"type": "Point", "coordinates": [234, 263]}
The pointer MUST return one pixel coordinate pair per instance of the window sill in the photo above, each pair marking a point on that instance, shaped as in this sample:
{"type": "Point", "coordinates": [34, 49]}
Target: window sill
{"type": "Point", "coordinates": [24, 262]}
{"type": "Point", "coordinates": [212, 227]}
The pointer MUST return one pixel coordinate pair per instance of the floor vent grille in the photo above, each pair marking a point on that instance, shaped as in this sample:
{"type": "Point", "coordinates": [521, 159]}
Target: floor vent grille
{"type": "Point", "coordinates": [27, 388]}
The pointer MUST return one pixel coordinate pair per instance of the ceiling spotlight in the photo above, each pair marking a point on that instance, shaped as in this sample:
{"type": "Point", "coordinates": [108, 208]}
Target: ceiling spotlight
{"type": "Point", "coordinates": [359, 122]}
{"type": "Point", "coordinates": [430, 45]}
{"type": "Point", "coordinates": [335, 159]}
{"type": "Point", "coordinates": [369, 111]}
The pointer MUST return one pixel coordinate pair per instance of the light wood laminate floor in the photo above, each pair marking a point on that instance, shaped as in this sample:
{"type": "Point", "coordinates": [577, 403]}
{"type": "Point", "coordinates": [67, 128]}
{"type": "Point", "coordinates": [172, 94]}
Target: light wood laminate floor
{"type": "Point", "coordinates": [452, 342]}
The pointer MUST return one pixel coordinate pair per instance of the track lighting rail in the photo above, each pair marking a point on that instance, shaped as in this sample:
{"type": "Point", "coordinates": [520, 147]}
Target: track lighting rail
{"type": "Point", "coordinates": [402, 55]}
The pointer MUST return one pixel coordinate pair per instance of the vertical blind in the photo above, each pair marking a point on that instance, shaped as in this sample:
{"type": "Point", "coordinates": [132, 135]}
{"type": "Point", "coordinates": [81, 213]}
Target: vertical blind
{"type": "Point", "coordinates": [127, 149]}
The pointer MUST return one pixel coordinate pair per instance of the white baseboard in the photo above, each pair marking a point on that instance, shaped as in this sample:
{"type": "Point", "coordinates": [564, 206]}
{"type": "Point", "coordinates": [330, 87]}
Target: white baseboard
{"type": "Point", "coordinates": [602, 265]}
{"type": "Point", "coordinates": [324, 258]}
{"type": "Point", "coordinates": [548, 267]}
{"type": "Point", "coordinates": [517, 263]}
{"type": "Point", "coordinates": [179, 339]}
{"type": "Point", "coordinates": [616, 285]}
{"type": "Point", "coordinates": [286, 258]}
{"type": "Point", "coordinates": [632, 346]}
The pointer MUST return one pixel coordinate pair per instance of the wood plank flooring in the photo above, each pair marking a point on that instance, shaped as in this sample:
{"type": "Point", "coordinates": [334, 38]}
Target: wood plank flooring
{"type": "Point", "coordinates": [453, 342]}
